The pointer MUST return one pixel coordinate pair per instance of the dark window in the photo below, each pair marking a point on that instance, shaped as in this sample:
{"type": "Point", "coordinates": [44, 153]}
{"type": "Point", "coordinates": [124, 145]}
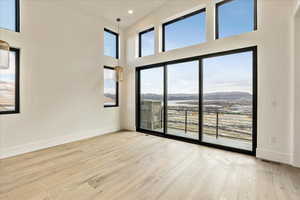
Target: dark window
{"type": "Point", "coordinates": [111, 43]}
{"type": "Point", "coordinates": [9, 14]}
{"type": "Point", "coordinates": [146, 42]}
{"type": "Point", "coordinates": [234, 17]}
{"type": "Point", "coordinates": [9, 85]}
{"type": "Point", "coordinates": [111, 87]}
{"type": "Point", "coordinates": [184, 31]}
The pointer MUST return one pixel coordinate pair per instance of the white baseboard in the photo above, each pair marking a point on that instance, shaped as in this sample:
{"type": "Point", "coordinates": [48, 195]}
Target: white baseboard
{"type": "Point", "coordinates": [296, 163]}
{"type": "Point", "coordinates": [34, 146]}
{"type": "Point", "coordinates": [274, 156]}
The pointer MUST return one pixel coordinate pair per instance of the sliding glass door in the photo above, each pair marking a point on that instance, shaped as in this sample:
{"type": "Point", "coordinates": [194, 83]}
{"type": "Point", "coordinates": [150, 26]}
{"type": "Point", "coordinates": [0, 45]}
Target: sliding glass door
{"type": "Point", "coordinates": [183, 99]}
{"type": "Point", "coordinates": [151, 108]}
{"type": "Point", "coordinates": [209, 99]}
{"type": "Point", "coordinates": [227, 100]}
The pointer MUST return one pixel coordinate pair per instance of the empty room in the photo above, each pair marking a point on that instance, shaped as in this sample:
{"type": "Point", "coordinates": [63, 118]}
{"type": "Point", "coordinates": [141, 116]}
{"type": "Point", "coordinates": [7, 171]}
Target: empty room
{"type": "Point", "coordinates": [149, 99]}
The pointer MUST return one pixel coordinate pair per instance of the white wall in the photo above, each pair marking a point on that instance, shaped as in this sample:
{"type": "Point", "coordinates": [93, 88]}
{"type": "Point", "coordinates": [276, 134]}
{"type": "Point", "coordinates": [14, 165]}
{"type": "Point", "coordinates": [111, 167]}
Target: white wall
{"type": "Point", "coordinates": [275, 67]}
{"type": "Point", "coordinates": [297, 86]}
{"type": "Point", "coordinates": [61, 78]}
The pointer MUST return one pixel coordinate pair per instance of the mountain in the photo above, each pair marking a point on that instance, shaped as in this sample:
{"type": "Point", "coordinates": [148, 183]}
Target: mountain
{"type": "Point", "coordinates": [208, 96]}
{"type": "Point", "coordinates": [228, 96]}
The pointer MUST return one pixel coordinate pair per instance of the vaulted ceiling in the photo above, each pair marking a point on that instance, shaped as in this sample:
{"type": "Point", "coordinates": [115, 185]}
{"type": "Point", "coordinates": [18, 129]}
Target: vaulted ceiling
{"type": "Point", "coordinates": [112, 9]}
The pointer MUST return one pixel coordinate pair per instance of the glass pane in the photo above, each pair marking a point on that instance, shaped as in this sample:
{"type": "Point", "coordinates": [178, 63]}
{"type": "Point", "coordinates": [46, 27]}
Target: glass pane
{"type": "Point", "coordinates": [152, 106]}
{"type": "Point", "coordinates": [235, 17]}
{"type": "Point", "coordinates": [7, 85]}
{"type": "Point", "coordinates": [110, 87]}
{"type": "Point", "coordinates": [228, 100]}
{"type": "Point", "coordinates": [183, 100]}
{"type": "Point", "coordinates": [186, 32]}
{"type": "Point", "coordinates": [110, 44]}
{"type": "Point", "coordinates": [8, 14]}
{"type": "Point", "coordinates": [147, 43]}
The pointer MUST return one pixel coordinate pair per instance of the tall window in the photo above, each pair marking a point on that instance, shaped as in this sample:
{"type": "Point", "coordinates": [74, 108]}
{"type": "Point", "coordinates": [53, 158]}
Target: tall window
{"type": "Point", "coordinates": [234, 17]}
{"type": "Point", "coordinates": [146, 42]}
{"type": "Point", "coordinates": [184, 31]}
{"type": "Point", "coordinates": [9, 85]}
{"type": "Point", "coordinates": [9, 15]}
{"type": "Point", "coordinates": [111, 43]}
{"type": "Point", "coordinates": [111, 88]}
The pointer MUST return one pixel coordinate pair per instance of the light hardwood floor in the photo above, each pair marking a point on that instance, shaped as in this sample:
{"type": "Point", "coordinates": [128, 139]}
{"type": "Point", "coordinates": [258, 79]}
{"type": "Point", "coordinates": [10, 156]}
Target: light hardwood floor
{"type": "Point", "coordinates": [130, 165]}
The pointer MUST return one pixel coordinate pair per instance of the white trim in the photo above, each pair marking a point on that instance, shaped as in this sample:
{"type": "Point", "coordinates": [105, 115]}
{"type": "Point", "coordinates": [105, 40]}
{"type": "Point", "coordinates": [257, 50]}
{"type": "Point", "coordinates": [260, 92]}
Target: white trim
{"type": "Point", "coordinates": [34, 146]}
{"type": "Point", "coordinates": [271, 155]}
{"type": "Point", "coordinates": [296, 162]}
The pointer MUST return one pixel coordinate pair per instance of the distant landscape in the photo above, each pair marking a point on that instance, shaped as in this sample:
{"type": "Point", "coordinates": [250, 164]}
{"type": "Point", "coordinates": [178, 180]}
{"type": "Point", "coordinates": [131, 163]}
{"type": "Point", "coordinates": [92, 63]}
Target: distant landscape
{"type": "Point", "coordinates": [207, 96]}
{"type": "Point", "coordinates": [237, 102]}
{"type": "Point", "coordinates": [234, 112]}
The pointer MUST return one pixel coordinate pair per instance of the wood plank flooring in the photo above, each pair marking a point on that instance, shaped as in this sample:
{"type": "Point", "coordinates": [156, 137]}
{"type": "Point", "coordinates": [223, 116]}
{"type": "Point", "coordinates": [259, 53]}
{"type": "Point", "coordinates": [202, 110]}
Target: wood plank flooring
{"type": "Point", "coordinates": [130, 165]}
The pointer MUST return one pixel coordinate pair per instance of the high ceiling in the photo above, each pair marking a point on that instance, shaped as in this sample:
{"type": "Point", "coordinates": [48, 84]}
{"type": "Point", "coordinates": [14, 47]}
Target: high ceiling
{"type": "Point", "coordinates": [112, 9]}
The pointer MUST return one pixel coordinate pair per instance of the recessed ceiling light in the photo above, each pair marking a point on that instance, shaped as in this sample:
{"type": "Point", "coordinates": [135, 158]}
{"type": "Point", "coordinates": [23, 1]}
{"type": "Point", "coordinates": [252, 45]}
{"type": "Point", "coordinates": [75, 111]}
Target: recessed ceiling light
{"type": "Point", "coordinates": [130, 11]}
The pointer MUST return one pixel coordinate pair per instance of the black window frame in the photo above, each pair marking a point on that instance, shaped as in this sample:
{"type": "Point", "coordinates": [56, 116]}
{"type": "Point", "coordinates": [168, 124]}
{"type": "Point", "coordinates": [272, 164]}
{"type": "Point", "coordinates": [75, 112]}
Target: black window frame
{"type": "Point", "coordinates": [17, 84]}
{"type": "Point", "coordinates": [117, 41]}
{"type": "Point", "coordinates": [117, 88]}
{"type": "Point", "coordinates": [176, 20]}
{"type": "Point", "coordinates": [140, 40]}
{"type": "Point", "coordinates": [17, 18]}
{"type": "Point", "coordinates": [200, 58]}
{"type": "Point", "coordinates": [217, 31]}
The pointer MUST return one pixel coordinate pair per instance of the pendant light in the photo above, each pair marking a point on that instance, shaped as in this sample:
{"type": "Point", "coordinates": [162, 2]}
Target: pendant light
{"type": "Point", "coordinates": [4, 55]}
{"type": "Point", "coordinates": [118, 68]}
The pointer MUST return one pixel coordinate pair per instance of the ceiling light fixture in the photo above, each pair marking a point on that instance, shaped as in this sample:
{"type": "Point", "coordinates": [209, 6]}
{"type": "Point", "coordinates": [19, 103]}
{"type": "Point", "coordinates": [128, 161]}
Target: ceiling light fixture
{"type": "Point", "coordinates": [130, 12]}
{"type": "Point", "coordinates": [118, 68]}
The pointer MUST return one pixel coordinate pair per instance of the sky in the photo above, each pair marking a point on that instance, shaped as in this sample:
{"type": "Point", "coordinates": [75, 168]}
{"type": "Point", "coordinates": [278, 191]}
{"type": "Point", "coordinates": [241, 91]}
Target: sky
{"type": "Point", "coordinates": [147, 40]}
{"type": "Point", "coordinates": [183, 78]}
{"type": "Point", "coordinates": [110, 41]}
{"type": "Point", "coordinates": [236, 17]}
{"type": "Point", "coordinates": [228, 73]}
{"type": "Point", "coordinates": [220, 74]}
{"type": "Point", "coordinates": [186, 32]}
{"type": "Point", "coordinates": [7, 8]}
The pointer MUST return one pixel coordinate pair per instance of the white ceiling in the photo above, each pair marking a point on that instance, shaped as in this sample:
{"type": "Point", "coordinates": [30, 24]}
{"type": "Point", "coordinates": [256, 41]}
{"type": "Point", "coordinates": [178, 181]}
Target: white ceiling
{"type": "Point", "coordinates": [112, 9]}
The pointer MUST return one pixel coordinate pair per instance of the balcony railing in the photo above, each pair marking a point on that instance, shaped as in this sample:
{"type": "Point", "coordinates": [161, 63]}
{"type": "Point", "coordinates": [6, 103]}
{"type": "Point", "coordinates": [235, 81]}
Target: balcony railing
{"type": "Point", "coordinates": [215, 123]}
